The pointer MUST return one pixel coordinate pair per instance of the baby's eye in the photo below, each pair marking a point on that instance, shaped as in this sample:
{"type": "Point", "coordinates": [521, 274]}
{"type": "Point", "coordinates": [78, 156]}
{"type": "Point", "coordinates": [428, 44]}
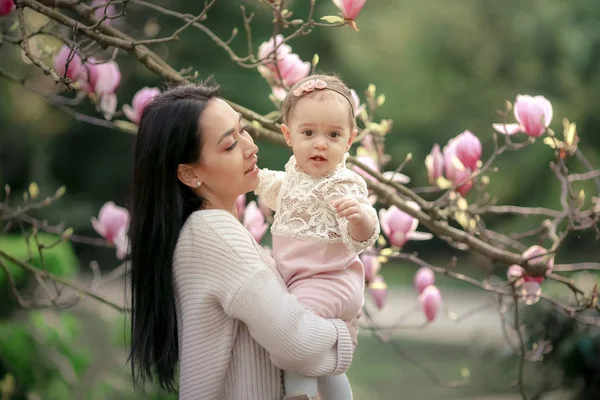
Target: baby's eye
{"type": "Point", "coordinates": [308, 132]}
{"type": "Point", "coordinates": [335, 135]}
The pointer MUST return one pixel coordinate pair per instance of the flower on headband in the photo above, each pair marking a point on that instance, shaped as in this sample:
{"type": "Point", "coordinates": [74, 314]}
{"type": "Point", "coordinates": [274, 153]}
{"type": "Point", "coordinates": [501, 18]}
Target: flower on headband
{"type": "Point", "coordinates": [309, 86]}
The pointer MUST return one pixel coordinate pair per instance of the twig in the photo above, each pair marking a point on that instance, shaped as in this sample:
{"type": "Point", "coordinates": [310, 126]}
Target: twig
{"type": "Point", "coordinates": [13, 287]}
{"type": "Point", "coordinates": [518, 210]}
{"type": "Point", "coordinates": [583, 177]}
{"type": "Point", "coordinates": [427, 371]}
{"type": "Point", "coordinates": [26, 48]}
{"type": "Point", "coordinates": [586, 163]}
{"type": "Point", "coordinates": [43, 274]}
{"type": "Point", "coordinates": [522, 346]}
{"type": "Point", "coordinates": [576, 267]}
{"type": "Point", "coordinates": [175, 35]}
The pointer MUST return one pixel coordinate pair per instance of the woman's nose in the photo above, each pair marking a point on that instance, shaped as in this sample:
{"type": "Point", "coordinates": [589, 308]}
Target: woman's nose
{"type": "Point", "coordinates": [250, 148]}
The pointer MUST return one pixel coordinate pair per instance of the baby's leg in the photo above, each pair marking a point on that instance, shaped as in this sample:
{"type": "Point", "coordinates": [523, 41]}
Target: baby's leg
{"type": "Point", "coordinates": [334, 387]}
{"type": "Point", "coordinates": [296, 384]}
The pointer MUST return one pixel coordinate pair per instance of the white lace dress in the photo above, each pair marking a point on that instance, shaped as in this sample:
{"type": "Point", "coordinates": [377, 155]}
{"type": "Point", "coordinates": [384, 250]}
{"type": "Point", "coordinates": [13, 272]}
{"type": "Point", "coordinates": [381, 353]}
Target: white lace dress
{"type": "Point", "coordinates": [312, 247]}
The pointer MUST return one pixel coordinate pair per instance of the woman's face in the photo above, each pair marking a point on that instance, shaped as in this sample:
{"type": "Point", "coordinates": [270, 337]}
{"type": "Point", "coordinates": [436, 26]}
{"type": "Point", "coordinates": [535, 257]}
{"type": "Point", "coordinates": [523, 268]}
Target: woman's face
{"type": "Point", "coordinates": [227, 166]}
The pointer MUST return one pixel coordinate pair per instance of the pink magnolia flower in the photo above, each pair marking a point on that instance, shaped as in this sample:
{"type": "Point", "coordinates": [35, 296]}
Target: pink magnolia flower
{"type": "Point", "coordinates": [350, 8]}
{"type": "Point", "coordinates": [140, 99]}
{"type": "Point", "coordinates": [103, 79]}
{"type": "Point", "coordinates": [358, 107]}
{"type": "Point", "coordinates": [372, 266]}
{"type": "Point", "coordinates": [514, 272]}
{"type": "Point", "coordinates": [102, 9]}
{"type": "Point", "coordinates": [456, 172]}
{"type": "Point", "coordinates": [531, 292]}
{"type": "Point", "coordinates": [533, 115]}
{"type": "Point", "coordinates": [279, 93]}
{"type": "Point", "coordinates": [240, 205]}
{"type": "Point", "coordinates": [367, 142]}
{"type": "Point", "coordinates": [369, 162]}
{"type": "Point", "coordinates": [537, 255]}
{"type": "Point", "coordinates": [122, 243]}
{"type": "Point", "coordinates": [111, 220]}
{"type": "Point", "coordinates": [434, 163]}
{"type": "Point", "coordinates": [267, 212]}
{"type": "Point", "coordinates": [468, 149]}
{"type": "Point", "coordinates": [292, 69]}
{"type": "Point", "coordinates": [378, 290]}
{"type": "Point", "coordinates": [400, 227]}
{"type": "Point", "coordinates": [265, 50]}
{"type": "Point", "coordinates": [423, 278]}
{"type": "Point", "coordinates": [254, 221]}
{"type": "Point", "coordinates": [431, 300]}
{"type": "Point", "coordinates": [75, 71]}
{"type": "Point", "coordinates": [6, 7]}
{"type": "Point", "coordinates": [396, 177]}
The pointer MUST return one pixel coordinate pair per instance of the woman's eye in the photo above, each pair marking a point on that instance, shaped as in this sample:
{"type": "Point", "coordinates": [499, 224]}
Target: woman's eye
{"type": "Point", "coordinates": [232, 146]}
{"type": "Point", "coordinates": [307, 132]}
{"type": "Point", "coordinates": [245, 128]}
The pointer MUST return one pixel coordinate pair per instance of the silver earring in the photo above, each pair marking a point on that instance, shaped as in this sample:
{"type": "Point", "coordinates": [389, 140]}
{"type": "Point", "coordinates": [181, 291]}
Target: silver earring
{"type": "Point", "coordinates": [197, 183]}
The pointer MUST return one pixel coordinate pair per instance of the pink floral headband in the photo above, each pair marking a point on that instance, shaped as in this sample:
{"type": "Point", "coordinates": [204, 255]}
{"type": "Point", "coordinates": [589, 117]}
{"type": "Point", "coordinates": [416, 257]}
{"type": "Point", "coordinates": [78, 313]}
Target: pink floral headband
{"type": "Point", "coordinates": [319, 84]}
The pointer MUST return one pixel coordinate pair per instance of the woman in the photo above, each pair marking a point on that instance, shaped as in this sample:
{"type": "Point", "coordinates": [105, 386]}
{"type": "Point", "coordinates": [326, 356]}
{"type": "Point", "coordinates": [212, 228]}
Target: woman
{"type": "Point", "coordinates": [204, 294]}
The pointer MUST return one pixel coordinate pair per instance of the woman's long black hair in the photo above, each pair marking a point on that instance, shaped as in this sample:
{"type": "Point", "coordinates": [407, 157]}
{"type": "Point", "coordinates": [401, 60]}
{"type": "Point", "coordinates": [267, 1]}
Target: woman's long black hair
{"type": "Point", "coordinates": [169, 135]}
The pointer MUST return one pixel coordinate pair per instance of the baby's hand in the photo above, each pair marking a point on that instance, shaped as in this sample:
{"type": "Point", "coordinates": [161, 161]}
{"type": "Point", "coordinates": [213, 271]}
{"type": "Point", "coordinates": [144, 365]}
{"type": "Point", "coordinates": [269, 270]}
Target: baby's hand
{"type": "Point", "coordinates": [350, 209]}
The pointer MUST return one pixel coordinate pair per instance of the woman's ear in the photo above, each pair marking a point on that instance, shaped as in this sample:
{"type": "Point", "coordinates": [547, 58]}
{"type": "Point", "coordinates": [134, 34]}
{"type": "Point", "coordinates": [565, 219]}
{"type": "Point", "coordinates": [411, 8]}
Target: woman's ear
{"type": "Point", "coordinates": [351, 139]}
{"type": "Point", "coordinates": [286, 134]}
{"type": "Point", "coordinates": [187, 176]}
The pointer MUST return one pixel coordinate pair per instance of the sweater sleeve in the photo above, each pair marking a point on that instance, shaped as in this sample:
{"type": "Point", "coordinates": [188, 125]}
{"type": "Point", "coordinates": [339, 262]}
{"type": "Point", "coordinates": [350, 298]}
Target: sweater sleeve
{"type": "Point", "coordinates": [250, 290]}
{"type": "Point", "coordinates": [268, 187]}
{"type": "Point", "coordinates": [296, 339]}
{"type": "Point", "coordinates": [350, 184]}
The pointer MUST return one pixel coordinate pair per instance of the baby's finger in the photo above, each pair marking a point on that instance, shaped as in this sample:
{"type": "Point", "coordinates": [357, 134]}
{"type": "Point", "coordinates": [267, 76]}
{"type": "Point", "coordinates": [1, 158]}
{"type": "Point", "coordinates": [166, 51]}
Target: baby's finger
{"type": "Point", "coordinates": [349, 211]}
{"type": "Point", "coordinates": [337, 202]}
{"type": "Point", "coordinates": [353, 217]}
{"type": "Point", "coordinates": [345, 204]}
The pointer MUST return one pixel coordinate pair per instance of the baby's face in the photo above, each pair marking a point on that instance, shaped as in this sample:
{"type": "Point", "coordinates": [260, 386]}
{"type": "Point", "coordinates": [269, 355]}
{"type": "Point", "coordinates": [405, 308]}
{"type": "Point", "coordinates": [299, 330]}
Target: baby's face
{"type": "Point", "coordinates": [320, 132]}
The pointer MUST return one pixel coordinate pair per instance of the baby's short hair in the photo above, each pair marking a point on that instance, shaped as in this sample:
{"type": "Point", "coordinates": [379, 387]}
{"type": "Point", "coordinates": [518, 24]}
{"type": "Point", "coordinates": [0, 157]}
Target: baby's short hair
{"type": "Point", "coordinates": [334, 84]}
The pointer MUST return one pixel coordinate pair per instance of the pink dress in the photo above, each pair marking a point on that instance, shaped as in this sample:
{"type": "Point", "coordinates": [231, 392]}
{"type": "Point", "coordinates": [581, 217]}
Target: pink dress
{"type": "Point", "coordinates": [312, 247]}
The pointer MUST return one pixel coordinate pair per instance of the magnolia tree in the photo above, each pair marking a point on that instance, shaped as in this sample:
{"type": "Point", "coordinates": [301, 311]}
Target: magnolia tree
{"type": "Point", "coordinates": [452, 206]}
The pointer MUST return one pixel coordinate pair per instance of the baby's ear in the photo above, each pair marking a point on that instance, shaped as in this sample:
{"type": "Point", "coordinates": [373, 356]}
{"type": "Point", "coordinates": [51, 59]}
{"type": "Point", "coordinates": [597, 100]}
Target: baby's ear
{"type": "Point", "coordinates": [351, 139]}
{"type": "Point", "coordinates": [286, 134]}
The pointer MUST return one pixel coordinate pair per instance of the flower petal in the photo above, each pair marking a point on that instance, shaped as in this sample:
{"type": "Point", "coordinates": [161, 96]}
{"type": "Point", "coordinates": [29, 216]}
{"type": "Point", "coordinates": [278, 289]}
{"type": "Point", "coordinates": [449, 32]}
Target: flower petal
{"type": "Point", "coordinates": [508, 129]}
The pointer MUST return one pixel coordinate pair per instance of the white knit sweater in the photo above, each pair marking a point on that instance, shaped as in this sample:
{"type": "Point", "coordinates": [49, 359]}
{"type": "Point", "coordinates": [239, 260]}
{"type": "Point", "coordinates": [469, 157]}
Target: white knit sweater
{"type": "Point", "coordinates": [238, 325]}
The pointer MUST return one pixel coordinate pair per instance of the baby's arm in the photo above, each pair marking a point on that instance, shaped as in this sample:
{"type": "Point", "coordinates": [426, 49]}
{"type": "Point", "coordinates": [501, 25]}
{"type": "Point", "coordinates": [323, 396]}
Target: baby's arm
{"type": "Point", "coordinates": [357, 219]}
{"type": "Point", "coordinates": [269, 186]}
{"type": "Point", "coordinates": [361, 224]}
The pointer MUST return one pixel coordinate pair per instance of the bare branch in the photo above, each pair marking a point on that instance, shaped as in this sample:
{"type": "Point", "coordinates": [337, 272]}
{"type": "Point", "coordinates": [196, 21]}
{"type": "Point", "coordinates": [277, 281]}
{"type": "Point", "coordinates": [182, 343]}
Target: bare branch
{"type": "Point", "coordinates": [518, 210]}
{"type": "Point", "coordinates": [412, 360]}
{"type": "Point", "coordinates": [576, 267]}
{"type": "Point", "coordinates": [27, 49]}
{"type": "Point", "coordinates": [523, 351]}
{"type": "Point", "coordinates": [46, 275]}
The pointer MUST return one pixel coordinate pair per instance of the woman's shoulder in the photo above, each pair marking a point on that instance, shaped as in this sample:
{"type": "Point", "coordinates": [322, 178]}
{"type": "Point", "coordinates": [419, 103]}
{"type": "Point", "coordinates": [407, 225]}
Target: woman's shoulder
{"type": "Point", "coordinates": [212, 224]}
{"type": "Point", "coordinates": [217, 230]}
{"type": "Point", "coordinates": [215, 250]}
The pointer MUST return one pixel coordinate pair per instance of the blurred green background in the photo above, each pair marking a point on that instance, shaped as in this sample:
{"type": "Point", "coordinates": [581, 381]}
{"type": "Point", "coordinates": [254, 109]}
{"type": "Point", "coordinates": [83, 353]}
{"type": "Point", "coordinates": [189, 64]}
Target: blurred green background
{"type": "Point", "coordinates": [444, 66]}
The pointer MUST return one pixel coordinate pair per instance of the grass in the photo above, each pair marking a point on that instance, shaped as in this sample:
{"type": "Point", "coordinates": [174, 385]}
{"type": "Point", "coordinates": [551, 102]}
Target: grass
{"type": "Point", "coordinates": [378, 372]}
